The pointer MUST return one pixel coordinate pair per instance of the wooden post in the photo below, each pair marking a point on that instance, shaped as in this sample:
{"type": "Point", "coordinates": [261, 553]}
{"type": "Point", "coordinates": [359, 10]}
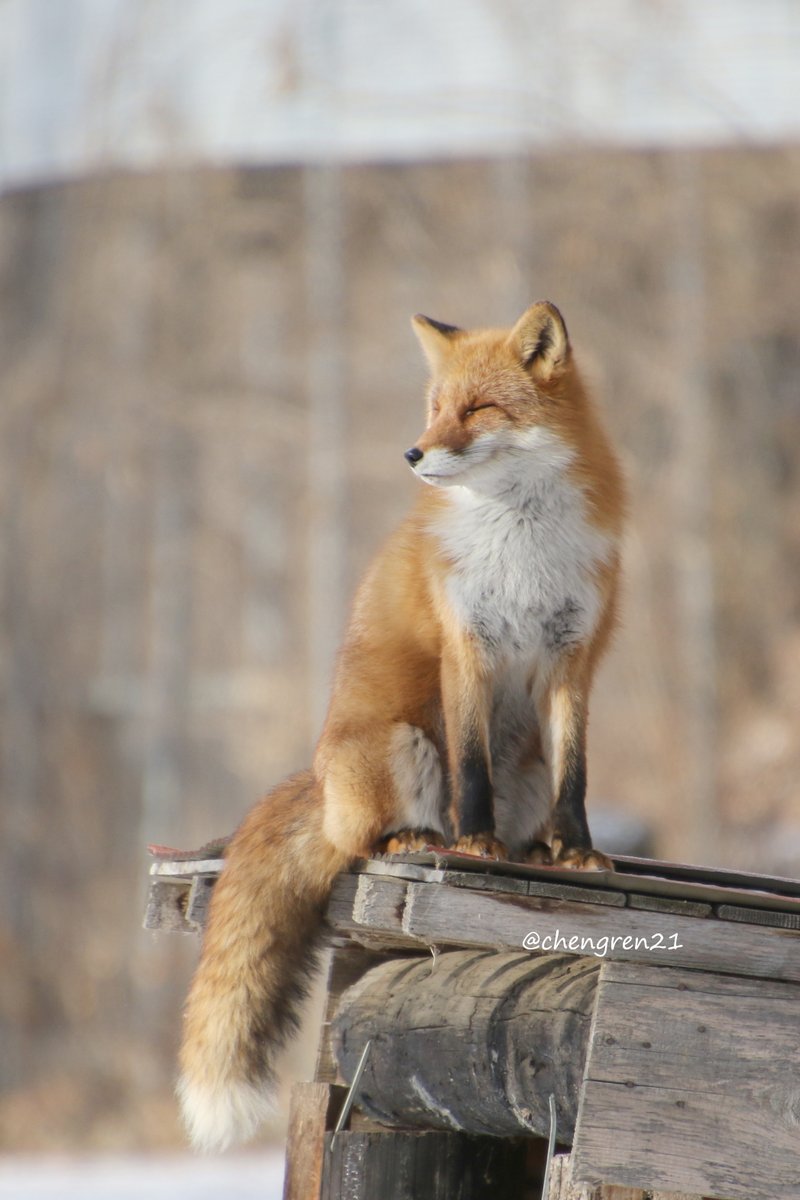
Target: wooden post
{"type": "Point", "coordinates": [314, 1109]}
{"type": "Point", "coordinates": [470, 1040]}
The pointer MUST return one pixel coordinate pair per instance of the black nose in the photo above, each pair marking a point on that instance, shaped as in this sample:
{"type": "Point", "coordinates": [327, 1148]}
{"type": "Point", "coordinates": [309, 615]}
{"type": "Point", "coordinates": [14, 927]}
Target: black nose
{"type": "Point", "coordinates": [413, 455]}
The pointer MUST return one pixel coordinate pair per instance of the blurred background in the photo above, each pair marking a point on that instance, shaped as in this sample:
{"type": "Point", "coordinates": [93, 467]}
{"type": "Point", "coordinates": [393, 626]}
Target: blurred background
{"type": "Point", "coordinates": [215, 221]}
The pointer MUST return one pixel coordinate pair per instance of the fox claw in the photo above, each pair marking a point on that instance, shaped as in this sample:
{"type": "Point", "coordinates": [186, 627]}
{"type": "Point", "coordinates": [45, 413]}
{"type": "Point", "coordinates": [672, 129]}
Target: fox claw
{"type": "Point", "coordinates": [485, 845]}
{"type": "Point", "coordinates": [409, 841]}
{"type": "Point", "coordinates": [580, 859]}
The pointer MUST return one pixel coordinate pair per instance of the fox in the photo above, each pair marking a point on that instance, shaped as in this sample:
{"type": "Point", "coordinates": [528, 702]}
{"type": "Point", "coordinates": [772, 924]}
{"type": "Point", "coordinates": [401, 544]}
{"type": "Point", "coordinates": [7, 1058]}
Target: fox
{"type": "Point", "coordinates": [459, 707]}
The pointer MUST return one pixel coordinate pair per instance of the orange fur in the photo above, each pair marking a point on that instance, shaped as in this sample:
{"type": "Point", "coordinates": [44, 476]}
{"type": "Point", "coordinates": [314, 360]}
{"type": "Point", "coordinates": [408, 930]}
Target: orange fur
{"type": "Point", "coordinates": [461, 694]}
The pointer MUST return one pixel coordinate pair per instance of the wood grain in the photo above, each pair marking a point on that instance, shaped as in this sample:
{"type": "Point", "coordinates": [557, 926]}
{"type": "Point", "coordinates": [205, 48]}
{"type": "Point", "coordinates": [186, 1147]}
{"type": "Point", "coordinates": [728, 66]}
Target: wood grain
{"type": "Point", "coordinates": [488, 919]}
{"type": "Point", "coordinates": [476, 881]}
{"type": "Point", "coordinates": [347, 964]}
{"type": "Point", "coordinates": [370, 911]}
{"type": "Point", "coordinates": [758, 916]}
{"type": "Point", "coordinates": [314, 1107]}
{"type": "Point", "coordinates": [166, 907]}
{"type": "Point", "coordinates": [563, 1187]}
{"type": "Point", "coordinates": [474, 1041]}
{"type": "Point", "coordinates": [692, 1083]}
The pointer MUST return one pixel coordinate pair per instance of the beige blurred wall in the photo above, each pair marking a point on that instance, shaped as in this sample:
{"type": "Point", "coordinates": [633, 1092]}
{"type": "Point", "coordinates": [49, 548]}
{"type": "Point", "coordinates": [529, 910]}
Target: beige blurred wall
{"type": "Point", "coordinates": [208, 380]}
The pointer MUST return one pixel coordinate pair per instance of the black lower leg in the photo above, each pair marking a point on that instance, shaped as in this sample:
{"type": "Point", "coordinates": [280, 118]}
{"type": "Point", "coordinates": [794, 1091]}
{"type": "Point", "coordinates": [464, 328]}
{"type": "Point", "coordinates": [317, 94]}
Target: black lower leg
{"type": "Point", "coordinates": [569, 817]}
{"type": "Point", "coordinates": [476, 812]}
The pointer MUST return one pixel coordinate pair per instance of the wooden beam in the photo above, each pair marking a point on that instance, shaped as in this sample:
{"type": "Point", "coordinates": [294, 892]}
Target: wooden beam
{"type": "Point", "coordinates": [473, 1041]}
{"type": "Point", "coordinates": [369, 911]}
{"type": "Point", "coordinates": [167, 902]}
{"type": "Point", "coordinates": [692, 1083]}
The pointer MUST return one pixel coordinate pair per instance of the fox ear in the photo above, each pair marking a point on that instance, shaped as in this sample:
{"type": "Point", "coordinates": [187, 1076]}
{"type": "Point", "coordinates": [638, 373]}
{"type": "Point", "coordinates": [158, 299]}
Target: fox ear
{"type": "Point", "coordinates": [435, 338]}
{"type": "Point", "coordinates": [540, 339]}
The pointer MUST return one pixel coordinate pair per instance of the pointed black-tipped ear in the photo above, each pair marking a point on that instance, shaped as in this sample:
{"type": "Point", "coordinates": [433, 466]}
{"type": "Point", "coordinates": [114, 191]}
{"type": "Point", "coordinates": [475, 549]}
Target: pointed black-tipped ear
{"type": "Point", "coordinates": [435, 338]}
{"type": "Point", "coordinates": [540, 339]}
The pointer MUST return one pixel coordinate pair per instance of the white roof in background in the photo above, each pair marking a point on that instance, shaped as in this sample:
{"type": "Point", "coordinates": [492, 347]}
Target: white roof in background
{"type": "Point", "coordinates": [93, 84]}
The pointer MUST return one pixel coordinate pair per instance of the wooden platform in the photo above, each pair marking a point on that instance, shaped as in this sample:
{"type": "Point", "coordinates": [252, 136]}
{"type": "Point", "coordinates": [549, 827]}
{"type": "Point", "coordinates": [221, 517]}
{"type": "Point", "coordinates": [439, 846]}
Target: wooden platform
{"type": "Point", "coordinates": [691, 1078]}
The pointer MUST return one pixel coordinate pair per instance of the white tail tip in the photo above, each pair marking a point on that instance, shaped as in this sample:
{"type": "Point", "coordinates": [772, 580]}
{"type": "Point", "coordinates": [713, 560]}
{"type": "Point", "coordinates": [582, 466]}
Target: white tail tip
{"type": "Point", "coordinates": [215, 1118]}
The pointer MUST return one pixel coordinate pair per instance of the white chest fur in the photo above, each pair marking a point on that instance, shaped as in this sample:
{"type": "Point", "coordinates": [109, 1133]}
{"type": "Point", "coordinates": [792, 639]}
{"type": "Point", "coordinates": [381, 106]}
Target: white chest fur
{"type": "Point", "coordinates": [522, 577]}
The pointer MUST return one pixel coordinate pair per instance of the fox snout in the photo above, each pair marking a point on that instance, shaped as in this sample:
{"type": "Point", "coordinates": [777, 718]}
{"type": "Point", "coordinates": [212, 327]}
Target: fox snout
{"type": "Point", "coordinates": [413, 456]}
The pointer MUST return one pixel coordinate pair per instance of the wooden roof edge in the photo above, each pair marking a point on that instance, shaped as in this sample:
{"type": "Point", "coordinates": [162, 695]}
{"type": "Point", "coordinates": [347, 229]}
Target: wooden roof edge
{"type": "Point", "coordinates": [173, 878]}
{"type": "Point", "coordinates": [186, 868]}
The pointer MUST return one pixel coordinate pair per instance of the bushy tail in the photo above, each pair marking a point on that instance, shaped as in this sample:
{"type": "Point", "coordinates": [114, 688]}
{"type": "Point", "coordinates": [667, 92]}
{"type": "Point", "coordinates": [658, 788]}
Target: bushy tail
{"type": "Point", "coordinates": [257, 960]}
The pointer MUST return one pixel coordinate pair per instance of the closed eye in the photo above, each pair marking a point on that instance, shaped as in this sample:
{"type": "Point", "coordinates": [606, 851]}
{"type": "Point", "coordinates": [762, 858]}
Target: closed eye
{"type": "Point", "coordinates": [478, 408]}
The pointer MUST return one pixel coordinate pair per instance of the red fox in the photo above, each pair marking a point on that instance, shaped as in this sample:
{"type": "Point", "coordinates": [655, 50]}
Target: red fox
{"type": "Point", "coordinates": [459, 706]}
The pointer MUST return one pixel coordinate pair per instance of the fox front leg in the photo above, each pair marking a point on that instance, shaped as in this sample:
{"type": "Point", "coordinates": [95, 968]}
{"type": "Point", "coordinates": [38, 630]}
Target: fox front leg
{"type": "Point", "coordinates": [565, 722]}
{"type": "Point", "coordinates": [465, 701]}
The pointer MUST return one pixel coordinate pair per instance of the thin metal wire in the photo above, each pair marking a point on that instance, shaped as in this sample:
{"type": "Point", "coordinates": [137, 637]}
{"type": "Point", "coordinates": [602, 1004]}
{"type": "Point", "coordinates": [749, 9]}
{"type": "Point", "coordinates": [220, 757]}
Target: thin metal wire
{"type": "Point", "coordinates": [351, 1092]}
{"type": "Point", "coordinates": [551, 1146]}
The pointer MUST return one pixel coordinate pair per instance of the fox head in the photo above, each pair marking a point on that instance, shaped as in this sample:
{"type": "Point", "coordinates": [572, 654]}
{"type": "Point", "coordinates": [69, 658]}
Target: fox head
{"type": "Point", "coordinates": [495, 401]}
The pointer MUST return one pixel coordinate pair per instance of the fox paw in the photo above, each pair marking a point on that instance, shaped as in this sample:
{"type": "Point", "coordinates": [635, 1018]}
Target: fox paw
{"type": "Point", "coordinates": [485, 845]}
{"type": "Point", "coordinates": [409, 841]}
{"type": "Point", "coordinates": [579, 858]}
{"type": "Point", "coordinates": [538, 855]}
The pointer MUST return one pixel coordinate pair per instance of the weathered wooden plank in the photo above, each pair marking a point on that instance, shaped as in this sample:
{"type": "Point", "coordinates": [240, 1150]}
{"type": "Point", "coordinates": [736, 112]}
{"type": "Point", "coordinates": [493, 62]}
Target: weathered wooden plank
{"type": "Point", "coordinates": [476, 881]}
{"type": "Point", "coordinates": [665, 904]}
{"type": "Point", "coordinates": [405, 1165]}
{"type": "Point", "coordinates": [705, 1004]}
{"type": "Point", "coordinates": [715, 876]}
{"type": "Point", "coordinates": [485, 883]}
{"type": "Point", "coordinates": [653, 974]}
{"type": "Point", "coordinates": [178, 905]}
{"type": "Point", "coordinates": [368, 911]}
{"type": "Point", "coordinates": [398, 869]}
{"type": "Point", "coordinates": [187, 868]}
{"type": "Point", "coordinates": [367, 901]}
{"type": "Point", "coordinates": [379, 902]}
{"type": "Point", "coordinates": [703, 885]}
{"type": "Point", "coordinates": [198, 900]}
{"type": "Point", "coordinates": [563, 1187]}
{"type": "Point", "coordinates": [625, 934]}
{"type": "Point", "coordinates": [313, 1111]}
{"type": "Point", "coordinates": [532, 887]}
{"type": "Point", "coordinates": [339, 913]}
{"type": "Point", "coordinates": [166, 906]}
{"type": "Point", "coordinates": [514, 878]}
{"type": "Point", "coordinates": [758, 916]}
{"type": "Point", "coordinates": [692, 1083]}
{"type": "Point", "coordinates": [475, 1041]}
{"type": "Point", "coordinates": [567, 891]}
